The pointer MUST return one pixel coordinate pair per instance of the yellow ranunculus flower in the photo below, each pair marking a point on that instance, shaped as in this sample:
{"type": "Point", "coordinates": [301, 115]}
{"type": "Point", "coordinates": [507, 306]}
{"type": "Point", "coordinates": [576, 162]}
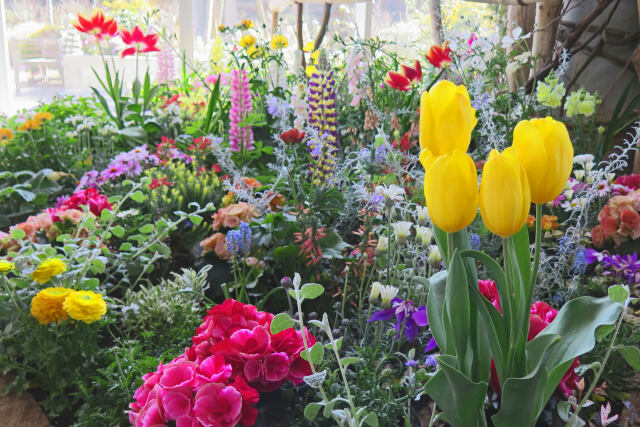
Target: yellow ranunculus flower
{"type": "Point", "coordinates": [6, 266]}
{"type": "Point", "coordinates": [446, 118]}
{"type": "Point", "coordinates": [247, 41]}
{"type": "Point", "coordinates": [43, 116]}
{"type": "Point", "coordinates": [279, 42]}
{"type": "Point", "coordinates": [30, 124]}
{"type": "Point", "coordinates": [505, 198]}
{"type": "Point", "coordinates": [5, 136]}
{"type": "Point", "coordinates": [47, 269]}
{"type": "Point", "coordinates": [46, 306]}
{"type": "Point", "coordinates": [546, 154]}
{"type": "Point", "coordinates": [451, 191]}
{"type": "Point", "coordinates": [86, 306]}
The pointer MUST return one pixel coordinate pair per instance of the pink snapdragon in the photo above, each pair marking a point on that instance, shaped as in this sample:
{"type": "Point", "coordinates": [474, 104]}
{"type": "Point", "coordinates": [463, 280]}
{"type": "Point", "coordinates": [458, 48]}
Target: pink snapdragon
{"type": "Point", "coordinates": [240, 137]}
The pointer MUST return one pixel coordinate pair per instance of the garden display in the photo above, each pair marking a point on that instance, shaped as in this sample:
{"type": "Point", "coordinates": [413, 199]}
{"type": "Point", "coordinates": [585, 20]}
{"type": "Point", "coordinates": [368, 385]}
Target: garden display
{"type": "Point", "coordinates": [334, 235]}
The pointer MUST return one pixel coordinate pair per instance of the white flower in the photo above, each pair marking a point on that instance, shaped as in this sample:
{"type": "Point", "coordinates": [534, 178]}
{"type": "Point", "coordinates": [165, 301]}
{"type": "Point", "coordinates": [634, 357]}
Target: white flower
{"type": "Point", "coordinates": [423, 215]}
{"type": "Point", "coordinates": [401, 230]}
{"type": "Point", "coordinates": [434, 255]}
{"type": "Point", "coordinates": [583, 158]}
{"type": "Point", "coordinates": [391, 194]}
{"type": "Point", "coordinates": [383, 245]}
{"type": "Point", "coordinates": [610, 176]}
{"type": "Point", "coordinates": [375, 290]}
{"type": "Point", "coordinates": [579, 174]}
{"type": "Point", "coordinates": [589, 166]}
{"type": "Point", "coordinates": [424, 235]}
{"type": "Point", "coordinates": [387, 293]}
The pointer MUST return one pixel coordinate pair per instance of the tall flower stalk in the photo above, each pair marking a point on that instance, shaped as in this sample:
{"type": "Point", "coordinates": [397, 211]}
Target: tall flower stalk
{"type": "Point", "coordinates": [323, 118]}
{"type": "Point", "coordinates": [241, 137]}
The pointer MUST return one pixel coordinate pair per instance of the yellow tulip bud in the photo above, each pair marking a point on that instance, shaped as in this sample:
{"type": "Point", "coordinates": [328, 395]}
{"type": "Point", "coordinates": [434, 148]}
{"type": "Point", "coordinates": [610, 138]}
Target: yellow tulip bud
{"type": "Point", "coordinates": [505, 198]}
{"type": "Point", "coordinates": [446, 118]}
{"type": "Point", "coordinates": [546, 154]}
{"type": "Point", "coordinates": [451, 191]}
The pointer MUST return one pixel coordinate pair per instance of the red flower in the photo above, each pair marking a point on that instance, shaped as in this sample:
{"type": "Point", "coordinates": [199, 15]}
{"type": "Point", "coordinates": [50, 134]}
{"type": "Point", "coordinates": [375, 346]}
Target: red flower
{"type": "Point", "coordinates": [174, 99]}
{"type": "Point", "coordinates": [439, 56]}
{"type": "Point", "coordinates": [138, 41]}
{"type": "Point", "coordinates": [155, 183]}
{"type": "Point", "coordinates": [406, 78]}
{"type": "Point", "coordinates": [489, 290]}
{"type": "Point", "coordinates": [98, 25]}
{"type": "Point", "coordinates": [216, 168]}
{"type": "Point", "coordinates": [89, 197]}
{"type": "Point", "coordinates": [292, 136]}
{"type": "Point", "coordinates": [404, 144]}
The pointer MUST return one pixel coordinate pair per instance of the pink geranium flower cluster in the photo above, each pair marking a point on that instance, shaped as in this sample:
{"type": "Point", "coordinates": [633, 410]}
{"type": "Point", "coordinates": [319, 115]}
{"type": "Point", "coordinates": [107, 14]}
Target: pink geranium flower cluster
{"type": "Point", "coordinates": [90, 197]}
{"type": "Point", "coordinates": [540, 316]}
{"type": "Point", "coordinates": [217, 380]}
{"type": "Point", "coordinates": [619, 220]}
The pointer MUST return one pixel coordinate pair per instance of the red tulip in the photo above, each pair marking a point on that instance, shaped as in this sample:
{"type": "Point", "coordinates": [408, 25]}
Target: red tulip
{"type": "Point", "coordinates": [98, 25]}
{"type": "Point", "coordinates": [292, 136]}
{"type": "Point", "coordinates": [439, 56]}
{"type": "Point", "coordinates": [406, 78]}
{"type": "Point", "coordinates": [138, 41]}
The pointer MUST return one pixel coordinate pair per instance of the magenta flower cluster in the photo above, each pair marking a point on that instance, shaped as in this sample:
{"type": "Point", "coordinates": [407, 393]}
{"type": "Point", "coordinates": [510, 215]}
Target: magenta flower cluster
{"type": "Point", "coordinates": [240, 137]}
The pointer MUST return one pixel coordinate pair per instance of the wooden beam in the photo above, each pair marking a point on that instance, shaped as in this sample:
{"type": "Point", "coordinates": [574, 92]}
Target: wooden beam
{"type": "Point", "coordinates": [511, 2]}
{"type": "Point", "coordinates": [544, 36]}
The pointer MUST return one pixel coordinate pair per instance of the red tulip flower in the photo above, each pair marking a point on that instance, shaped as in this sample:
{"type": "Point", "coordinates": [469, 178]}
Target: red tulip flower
{"type": "Point", "coordinates": [138, 41]}
{"type": "Point", "coordinates": [98, 25]}
{"type": "Point", "coordinates": [292, 136]}
{"type": "Point", "coordinates": [439, 56]}
{"type": "Point", "coordinates": [406, 78]}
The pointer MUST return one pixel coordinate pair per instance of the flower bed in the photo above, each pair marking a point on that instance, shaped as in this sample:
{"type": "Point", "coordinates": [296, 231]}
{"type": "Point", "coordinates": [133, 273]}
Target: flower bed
{"type": "Point", "coordinates": [370, 240]}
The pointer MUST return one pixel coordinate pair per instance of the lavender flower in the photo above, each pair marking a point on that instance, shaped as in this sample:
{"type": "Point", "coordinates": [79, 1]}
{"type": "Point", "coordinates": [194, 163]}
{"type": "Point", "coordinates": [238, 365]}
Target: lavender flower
{"type": "Point", "coordinates": [475, 242]}
{"type": "Point", "coordinates": [240, 137]}
{"type": "Point", "coordinates": [277, 107]}
{"type": "Point", "coordinates": [89, 179]}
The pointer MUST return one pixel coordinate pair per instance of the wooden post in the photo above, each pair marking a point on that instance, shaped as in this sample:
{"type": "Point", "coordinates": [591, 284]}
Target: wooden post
{"type": "Point", "coordinates": [546, 27]}
{"type": "Point", "coordinates": [436, 21]}
{"type": "Point", "coordinates": [523, 17]}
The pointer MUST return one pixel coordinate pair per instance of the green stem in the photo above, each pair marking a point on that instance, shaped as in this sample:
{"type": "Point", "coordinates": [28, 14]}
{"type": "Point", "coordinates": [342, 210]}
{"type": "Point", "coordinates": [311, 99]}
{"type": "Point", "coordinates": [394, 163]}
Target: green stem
{"type": "Point", "coordinates": [585, 399]}
{"type": "Point", "coordinates": [536, 254]}
{"type": "Point", "coordinates": [433, 414]}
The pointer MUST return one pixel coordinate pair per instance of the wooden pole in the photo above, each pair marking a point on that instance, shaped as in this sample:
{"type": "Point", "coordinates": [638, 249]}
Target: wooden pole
{"type": "Point", "coordinates": [326, 15]}
{"type": "Point", "coordinates": [303, 61]}
{"type": "Point", "coordinates": [544, 38]}
{"type": "Point", "coordinates": [524, 18]}
{"type": "Point", "coordinates": [436, 21]}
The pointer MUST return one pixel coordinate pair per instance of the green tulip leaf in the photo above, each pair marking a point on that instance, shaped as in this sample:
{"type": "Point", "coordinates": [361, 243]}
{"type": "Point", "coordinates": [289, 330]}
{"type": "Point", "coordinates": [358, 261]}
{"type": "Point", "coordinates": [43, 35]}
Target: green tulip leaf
{"type": "Point", "coordinates": [457, 304]}
{"type": "Point", "coordinates": [631, 354]}
{"type": "Point", "coordinates": [460, 399]}
{"type": "Point", "coordinates": [435, 310]}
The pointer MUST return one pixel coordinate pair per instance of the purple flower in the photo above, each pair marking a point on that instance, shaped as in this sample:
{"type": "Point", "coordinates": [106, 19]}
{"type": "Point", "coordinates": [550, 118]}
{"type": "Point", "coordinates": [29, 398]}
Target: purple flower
{"type": "Point", "coordinates": [89, 179]}
{"type": "Point", "coordinates": [113, 171]}
{"type": "Point", "coordinates": [431, 361]}
{"type": "Point", "coordinates": [625, 267]}
{"type": "Point", "coordinates": [408, 317]}
{"type": "Point", "coordinates": [411, 363]}
{"type": "Point", "coordinates": [591, 256]}
{"type": "Point", "coordinates": [380, 154]}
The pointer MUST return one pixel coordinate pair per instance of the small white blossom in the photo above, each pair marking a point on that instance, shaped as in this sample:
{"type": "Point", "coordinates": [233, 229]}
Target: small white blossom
{"type": "Point", "coordinates": [583, 159]}
{"type": "Point", "coordinates": [423, 215]}
{"type": "Point", "coordinates": [434, 255]}
{"type": "Point", "coordinates": [383, 245]}
{"type": "Point", "coordinates": [387, 293]}
{"type": "Point", "coordinates": [424, 235]}
{"type": "Point", "coordinates": [391, 194]}
{"type": "Point", "coordinates": [579, 174]}
{"type": "Point", "coordinates": [401, 230]}
{"type": "Point", "coordinates": [375, 290]}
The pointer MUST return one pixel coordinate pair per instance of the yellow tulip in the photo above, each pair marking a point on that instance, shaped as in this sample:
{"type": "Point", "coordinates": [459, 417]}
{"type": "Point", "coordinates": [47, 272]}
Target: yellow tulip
{"type": "Point", "coordinates": [426, 158]}
{"type": "Point", "coordinates": [546, 154]}
{"type": "Point", "coordinates": [451, 191]}
{"type": "Point", "coordinates": [505, 198]}
{"type": "Point", "coordinates": [446, 118]}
